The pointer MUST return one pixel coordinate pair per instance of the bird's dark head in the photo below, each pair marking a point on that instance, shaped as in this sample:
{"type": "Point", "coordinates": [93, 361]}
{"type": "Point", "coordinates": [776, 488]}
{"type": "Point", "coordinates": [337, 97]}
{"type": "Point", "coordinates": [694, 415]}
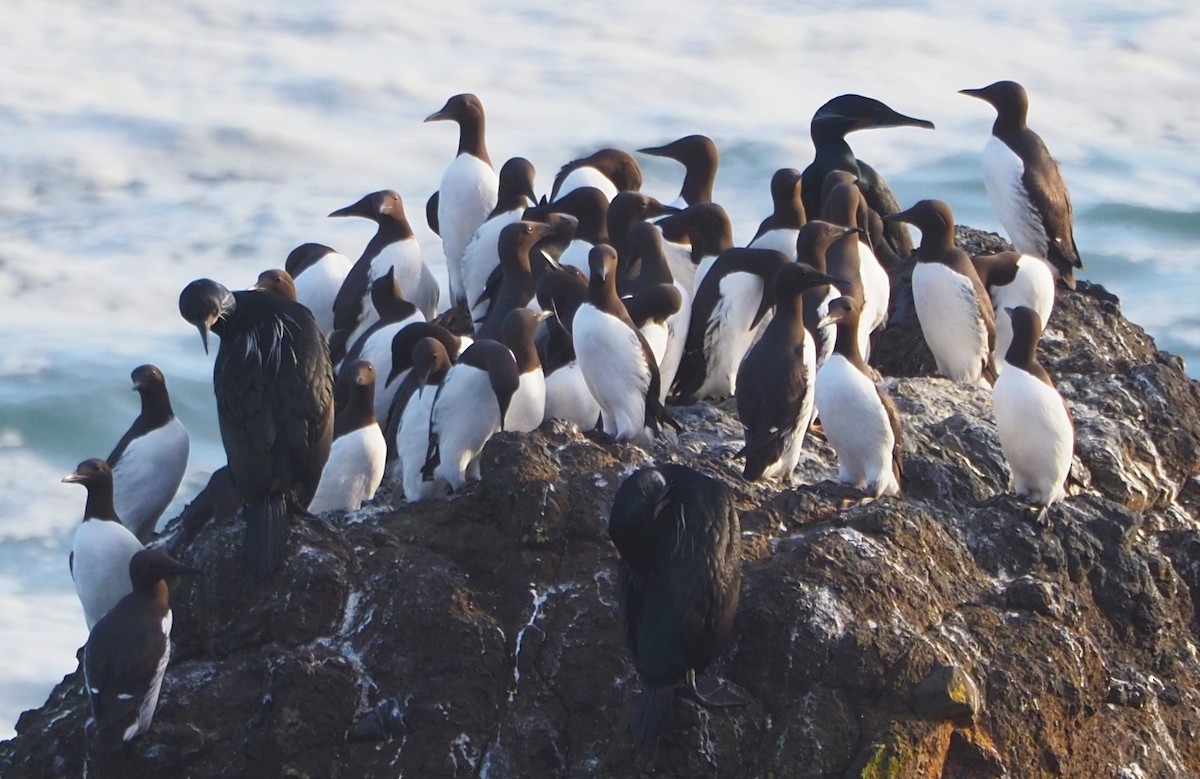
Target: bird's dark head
{"type": "Point", "coordinates": [147, 378]}
{"type": "Point", "coordinates": [277, 282]}
{"type": "Point", "coordinates": [1026, 324]}
{"type": "Point", "coordinates": [785, 186]}
{"type": "Point", "coordinates": [703, 224]}
{"type": "Point", "coordinates": [841, 203]}
{"type": "Point", "coordinates": [430, 362]}
{"type": "Point", "coordinates": [932, 217]}
{"type": "Point", "coordinates": [1007, 97]}
{"type": "Point", "coordinates": [638, 501]}
{"type": "Point", "coordinates": [518, 327]}
{"type": "Point", "coordinates": [562, 291]}
{"type": "Point", "coordinates": [602, 263]}
{"type": "Point", "coordinates": [689, 150]}
{"type": "Point", "coordinates": [816, 237]}
{"type": "Point", "coordinates": [458, 108]}
{"type": "Point", "coordinates": [204, 303]}
{"type": "Point", "coordinates": [150, 566]}
{"type": "Point", "coordinates": [835, 178]}
{"type": "Point", "coordinates": [385, 291]}
{"type": "Point", "coordinates": [90, 473]}
{"type": "Point", "coordinates": [375, 206]}
{"type": "Point", "coordinates": [843, 310]}
{"type": "Point", "coordinates": [847, 113]}
{"type": "Point", "coordinates": [793, 278]}
{"type": "Point", "coordinates": [361, 373]}
{"type": "Point", "coordinates": [516, 179]}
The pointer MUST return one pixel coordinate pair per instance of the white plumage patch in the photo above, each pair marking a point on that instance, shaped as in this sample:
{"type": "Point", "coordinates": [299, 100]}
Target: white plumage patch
{"type": "Point", "coordinates": [857, 427]}
{"type": "Point", "coordinates": [877, 292]}
{"type": "Point", "coordinates": [378, 351]}
{"type": "Point", "coordinates": [781, 239]}
{"type": "Point", "coordinates": [950, 321]}
{"type": "Point", "coordinates": [147, 475]}
{"type": "Point", "coordinates": [1002, 172]}
{"type": "Point", "coordinates": [1036, 435]}
{"type": "Point", "coordinates": [481, 257]}
{"type": "Point", "coordinates": [416, 281]}
{"type": "Point", "coordinates": [615, 369]}
{"type": "Point", "coordinates": [412, 444]}
{"type": "Point", "coordinates": [1033, 288]}
{"type": "Point", "coordinates": [587, 176]}
{"type": "Point", "coordinates": [317, 287]}
{"type": "Point", "coordinates": [102, 550]}
{"type": "Point", "coordinates": [353, 471]}
{"type": "Point", "coordinates": [528, 404]}
{"type": "Point", "coordinates": [465, 415]}
{"type": "Point", "coordinates": [569, 399]}
{"type": "Point", "coordinates": [466, 196]}
{"type": "Point", "coordinates": [728, 335]}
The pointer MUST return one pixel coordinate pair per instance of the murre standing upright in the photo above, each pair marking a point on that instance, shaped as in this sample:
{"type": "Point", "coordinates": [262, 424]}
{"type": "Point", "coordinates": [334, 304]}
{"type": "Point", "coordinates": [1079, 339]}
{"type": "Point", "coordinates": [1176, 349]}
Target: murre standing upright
{"type": "Point", "coordinates": [780, 230]}
{"type": "Point", "coordinates": [699, 157]}
{"type": "Point", "coordinates": [1025, 184]}
{"type": "Point", "coordinates": [354, 469]}
{"type": "Point", "coordinates": [102, 547]}
{"type": "Point", "coordinates": [952, 304]}
{"type": "Point", "coordinates": [481, 256]}
{"type": "Point", "coordinates": [830, 124]}
{"type": "Point", "coordinates": [469, 407]}
{"type": "Point", "coordinates": [642, 265]}
{"type": "Point", "coordinates": [394, 248]}
{"type": "Point", "coordinates": [852, 257]}
{"type": "Point", "coordinates": [149, 461]}
{"type": "Point", "coordinates": [859, 419]}
{"type": "Point", "coordinates": [375, 344]}
{"type": "Point", "coordinates": [517, 285]}
{"type": "Point", "coordinates": [274, 387]}
{"type": "Point", "coordinates": [528, 404]}
{"type": "Point", "coordinates": [679, 537]}
{"type": "Point", "coordinates": [775, 380]}
{"type": "Point", "coordinates": [617, 364]}
{"type": "Point", "coordinates": [318, 273]}
{"type": "Point", "coordinates": [1032, 420]}
{"type": "Point", "coordinates": [126, 655]}
{"type": "Point", "coordinates": [430, 363]}
{"type": "Point", "coordinates": [469, 187]}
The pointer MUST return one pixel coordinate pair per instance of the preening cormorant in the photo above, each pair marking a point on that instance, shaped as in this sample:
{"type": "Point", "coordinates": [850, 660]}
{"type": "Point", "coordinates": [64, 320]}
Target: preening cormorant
{"type": "Point", "coordinates": [274, 387]}
{"type": "Point", "coordinates": [679, 538]}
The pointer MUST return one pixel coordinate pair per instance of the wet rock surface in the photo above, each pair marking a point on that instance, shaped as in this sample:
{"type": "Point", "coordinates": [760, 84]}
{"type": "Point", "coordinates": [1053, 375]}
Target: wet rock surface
{"type": "Point", "coordinates": [949, 634]}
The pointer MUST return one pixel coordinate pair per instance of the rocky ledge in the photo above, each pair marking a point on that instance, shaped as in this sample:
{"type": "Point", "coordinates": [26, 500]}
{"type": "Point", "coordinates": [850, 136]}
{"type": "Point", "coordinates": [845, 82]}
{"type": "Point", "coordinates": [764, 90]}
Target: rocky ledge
{"type": "Point", "coordinates": [945, 635]}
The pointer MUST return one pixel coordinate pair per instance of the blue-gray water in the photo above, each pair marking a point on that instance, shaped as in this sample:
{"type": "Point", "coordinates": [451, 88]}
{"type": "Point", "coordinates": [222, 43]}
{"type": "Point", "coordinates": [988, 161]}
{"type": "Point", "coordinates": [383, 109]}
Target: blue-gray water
{"type": "Point", "coordinates": [142, 146]}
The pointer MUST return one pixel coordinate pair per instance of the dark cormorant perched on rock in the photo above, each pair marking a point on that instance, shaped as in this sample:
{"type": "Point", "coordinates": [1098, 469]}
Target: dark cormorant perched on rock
{"type": "Point", "coordinates": [274, 388]}
{"type": "Point", "coordinates": [679, 538]}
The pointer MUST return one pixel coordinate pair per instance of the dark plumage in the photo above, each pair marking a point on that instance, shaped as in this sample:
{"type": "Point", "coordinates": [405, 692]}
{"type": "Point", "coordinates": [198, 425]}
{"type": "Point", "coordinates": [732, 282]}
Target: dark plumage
{"type": "Point", "coordinates": [698, 155]}
{"type": "Point", "coordinates": [775, 379]}
{"type": "Point", "coordinates": [830, 124]}
{"type": "Point", "coordinates": [149, 461]}
{"type": "Point", "coordinates": [274, 387]}
{"type": "Point", "coordinates": [1025, 185]}
{"type": "Point", "coordinates": [127, 652]}
{"type": "Point", "coordinates": [679, 538]}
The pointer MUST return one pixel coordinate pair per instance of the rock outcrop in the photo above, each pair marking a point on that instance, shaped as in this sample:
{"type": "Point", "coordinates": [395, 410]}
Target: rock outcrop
{"type": "Point", "coordinates": [949, 634]}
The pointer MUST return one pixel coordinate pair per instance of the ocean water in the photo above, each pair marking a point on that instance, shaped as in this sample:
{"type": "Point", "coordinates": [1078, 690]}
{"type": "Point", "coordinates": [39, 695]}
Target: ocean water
{"type": "Point", "coordinates": [143, 146]}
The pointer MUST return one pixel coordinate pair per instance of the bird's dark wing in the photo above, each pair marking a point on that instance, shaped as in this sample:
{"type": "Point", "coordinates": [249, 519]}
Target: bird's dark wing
{"type": "Point", "coordinates": [119, 666]}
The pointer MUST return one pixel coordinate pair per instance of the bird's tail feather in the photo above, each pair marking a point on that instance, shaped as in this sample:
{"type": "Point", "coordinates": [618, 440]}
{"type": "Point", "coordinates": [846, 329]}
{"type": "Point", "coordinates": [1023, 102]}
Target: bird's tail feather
{"type": "Point", "coordinates": [266, 534]}
{"type": "Point", "coordinates": [653, 708]}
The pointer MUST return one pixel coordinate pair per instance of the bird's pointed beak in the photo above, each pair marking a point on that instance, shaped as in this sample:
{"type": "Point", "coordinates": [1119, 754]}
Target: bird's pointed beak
{"type": "Point", "coordinates": [654, 151]}
{"type": "Point", "coordinates": [72, 478]}
{"type": "Point", "coordinates": [897, 119]}
{"type": "Point", "coordinates": [203, 328]}
{"type": "Point", "coordinates": [976, 93]}
{"type": "Point", "coordinates": [358, 208]}
{"type": "Point", "coordinates": [437, 116]}
{"type": "Point", "coordinates": [899, 216]}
